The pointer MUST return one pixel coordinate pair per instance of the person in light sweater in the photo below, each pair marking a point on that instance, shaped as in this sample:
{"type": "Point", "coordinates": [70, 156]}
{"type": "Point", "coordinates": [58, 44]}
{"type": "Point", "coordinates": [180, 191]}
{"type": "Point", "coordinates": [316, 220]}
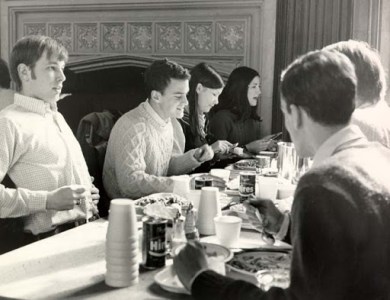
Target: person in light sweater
{"type": "Point", "coordinates": [146, 144]}
{"type": "Point", "coordinates": [340, 214]}
{"type": "Point", "coordinates": [372, 113]}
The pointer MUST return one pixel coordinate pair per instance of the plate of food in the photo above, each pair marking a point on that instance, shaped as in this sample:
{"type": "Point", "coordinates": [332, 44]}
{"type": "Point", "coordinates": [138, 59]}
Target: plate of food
{"type": "Point", "coordinates": [246, 164]}
{"type": "Point", "coordinates": [254, 262]}
{"type": "Point", "coordinates": [217, 256]}
{"type": "Point", "coordinates": [163, 205]}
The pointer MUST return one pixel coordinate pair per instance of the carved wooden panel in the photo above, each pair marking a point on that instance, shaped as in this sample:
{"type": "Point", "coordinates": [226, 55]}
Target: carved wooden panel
{"type": "Point", "coordinates": [112, 37]}
{"type": "Point", "coordinates": [62, 32]}
{"type": "Point", "coordinates": [210, 37]}
{"type": "Point", "coordinates": [199, 37]}
{"type": "Point", "coordinates": [140, 37]}
{"type": "Point", "coordinates": [86, 37]}
{"type": "Point", "coordinates": [231, 36]}
{"type": "Point", "coordinates": [169, 37]}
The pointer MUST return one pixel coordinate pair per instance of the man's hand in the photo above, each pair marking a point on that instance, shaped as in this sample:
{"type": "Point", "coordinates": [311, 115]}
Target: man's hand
{"type": "Point", "coordinates": [204, 153]}
{"type": "Point", "coordinates": [221, 147]}
{"type": "Point", "coordinates": [190, 260]}
{"type": "Point", "coordinates": [64, 198]}
{"type": "Point", "coordinates": [95, 196]}
{"type": "Point", "coordinates": [272, 217]}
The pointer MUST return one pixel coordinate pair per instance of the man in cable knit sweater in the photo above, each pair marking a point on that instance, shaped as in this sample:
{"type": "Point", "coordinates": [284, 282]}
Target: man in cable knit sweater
{"type": "Point", "coordinates": [147, 143]}
{"type": "Point", "coordinates": [340, 215]}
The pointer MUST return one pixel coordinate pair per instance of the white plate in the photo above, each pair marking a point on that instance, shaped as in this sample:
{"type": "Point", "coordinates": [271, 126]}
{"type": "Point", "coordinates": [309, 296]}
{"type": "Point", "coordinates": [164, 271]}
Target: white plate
{"type": "Point", "coordinates": [169, 281]}
{"type": "Point", "coordinates": [211, 249]}
{"type": "Point", "coordinates": [250, 240]}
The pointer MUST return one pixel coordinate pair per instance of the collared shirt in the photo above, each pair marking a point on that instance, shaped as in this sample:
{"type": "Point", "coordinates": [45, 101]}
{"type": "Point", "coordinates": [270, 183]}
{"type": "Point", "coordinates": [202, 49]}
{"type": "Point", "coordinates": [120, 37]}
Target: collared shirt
{"type": "Point", "coordinates": [335, 142]}
{"type": "Point", "coordinates": [39, 153]}
{"type": "Point", "coordinates": [342, 137]}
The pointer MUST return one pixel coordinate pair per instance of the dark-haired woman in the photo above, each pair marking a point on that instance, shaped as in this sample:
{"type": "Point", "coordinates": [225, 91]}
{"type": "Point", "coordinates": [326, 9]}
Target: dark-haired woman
{"type": "Point", "coordinates": [205, 87]}
{"type": "Point", "coordinates": [235, 118]}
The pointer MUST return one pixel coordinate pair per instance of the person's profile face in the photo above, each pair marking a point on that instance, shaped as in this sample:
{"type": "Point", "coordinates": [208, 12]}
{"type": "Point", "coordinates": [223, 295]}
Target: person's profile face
{"type": "Point", "coordinates": [45, 79]}
{"type": "Point", "coordinates": [173, 99]}
{"type": "Point", "coordinates": [207, 98]}
{"type": "Point", "coordinates": [254, 91]}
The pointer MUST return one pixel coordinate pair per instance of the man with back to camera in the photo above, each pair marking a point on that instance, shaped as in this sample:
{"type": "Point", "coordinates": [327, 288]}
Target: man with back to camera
{"type": "Point", "coordinates": [372, 112]}
{"type": "Point", "coordinates": [38, 150]}
{"type": "Point", "coordinates": [147, 143]}
{"type": "Point", "coordinates": [339, 218]}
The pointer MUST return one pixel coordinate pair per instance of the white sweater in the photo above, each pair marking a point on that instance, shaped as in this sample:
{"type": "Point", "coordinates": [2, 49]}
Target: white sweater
{"type": "Point", "coordinates": [374, 122]}
{"type": "Point", "coordinates": [142, 151]}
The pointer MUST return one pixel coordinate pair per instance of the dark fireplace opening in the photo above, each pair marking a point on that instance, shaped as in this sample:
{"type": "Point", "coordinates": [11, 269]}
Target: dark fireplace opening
{"type": "Point", "coordinates": [116, 89]}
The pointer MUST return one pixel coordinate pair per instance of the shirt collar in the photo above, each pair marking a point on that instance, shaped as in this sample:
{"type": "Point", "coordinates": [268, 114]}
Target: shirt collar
{"type": "Point", "coordinates": [160, 121]}
{"type": "Point", "coordinates": [35, 105]}
{"type": "Point", "coordinates": [338, 139]}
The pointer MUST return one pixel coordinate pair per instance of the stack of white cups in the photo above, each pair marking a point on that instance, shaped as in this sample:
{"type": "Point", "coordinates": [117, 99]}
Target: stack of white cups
{"type": "Point", "coordinates": [209, 207]}
{"type": "Point", "coordinates": [122, 244]}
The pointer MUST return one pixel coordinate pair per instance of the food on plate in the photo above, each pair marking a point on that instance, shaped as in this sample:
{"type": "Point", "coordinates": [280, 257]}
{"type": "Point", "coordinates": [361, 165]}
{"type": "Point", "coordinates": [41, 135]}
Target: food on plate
{"type": "Point", "coordinates": [253, 262]}
{"type": "Point", "coordinates": [162, 205]}
{"type": "Point", "coordinates": [246, 164]}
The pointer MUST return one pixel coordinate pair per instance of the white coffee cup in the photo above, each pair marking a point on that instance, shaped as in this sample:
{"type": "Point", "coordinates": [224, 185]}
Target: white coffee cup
{"type": "Point", "coordinates": [266, 187]}
{"type": "Point", "coordinates": [122, 220]}
{"type": "Point", "coordinates": [228, 229]}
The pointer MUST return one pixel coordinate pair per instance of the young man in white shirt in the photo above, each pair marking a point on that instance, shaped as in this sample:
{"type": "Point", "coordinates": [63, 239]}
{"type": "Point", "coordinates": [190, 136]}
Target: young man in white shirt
{"type": "Point", "coordinates": [38, 150]}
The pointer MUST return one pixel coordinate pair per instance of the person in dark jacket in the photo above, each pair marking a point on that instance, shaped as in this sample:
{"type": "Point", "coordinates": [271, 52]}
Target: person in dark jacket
{"type": "Point", "coordinates": [235, 118]}
{"type": "Point", "coordinates": [340, 214]}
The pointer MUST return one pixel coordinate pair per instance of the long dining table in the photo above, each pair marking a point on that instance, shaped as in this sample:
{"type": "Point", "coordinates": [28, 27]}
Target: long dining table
{"type": "Point", "coordinates": [71, 265]}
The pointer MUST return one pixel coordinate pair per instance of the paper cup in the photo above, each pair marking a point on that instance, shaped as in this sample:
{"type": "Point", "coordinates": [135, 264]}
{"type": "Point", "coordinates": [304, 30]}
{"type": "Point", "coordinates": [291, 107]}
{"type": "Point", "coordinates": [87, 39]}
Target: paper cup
{"type": "Point", "coordinates": [228, 229]}
{"type": "Point", "coordinates": [266, 188]}
{"type": "Point", "coordinates": [209, 207]}
{"type": "Point", "coordinates": [181, 185]}
{"type": "Point", "coordinates": [122, 219]}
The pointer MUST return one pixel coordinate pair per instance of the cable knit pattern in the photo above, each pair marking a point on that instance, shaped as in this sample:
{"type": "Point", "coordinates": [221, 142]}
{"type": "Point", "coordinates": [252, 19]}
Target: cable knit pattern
{"type": "Point", "coordinates": [142, 151]}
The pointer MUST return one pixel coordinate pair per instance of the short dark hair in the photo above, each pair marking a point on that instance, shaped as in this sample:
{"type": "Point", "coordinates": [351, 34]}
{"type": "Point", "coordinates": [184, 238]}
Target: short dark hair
{"type": "Point", "coordinates": [323, 83]}
{"type": "Point", "coordinates": [5, 79]}
{"type": "Point", "coordinates": [29, 49]}
{"type": "Point", "coordinates": [207, 76]}
{"type": "Point", "coordinates": [159, 74]}
{"type": "Point", "coordinates": [234, 96]}
{"type": "Point", "coordinates": [370, 74]}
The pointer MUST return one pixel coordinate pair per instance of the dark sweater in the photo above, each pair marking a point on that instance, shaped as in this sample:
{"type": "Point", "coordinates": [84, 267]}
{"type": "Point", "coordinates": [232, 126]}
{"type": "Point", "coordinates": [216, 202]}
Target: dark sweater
{"type": "Point", "coordinates": [340, 232]}
{"type": "Point", "coordinates": [225, 125]}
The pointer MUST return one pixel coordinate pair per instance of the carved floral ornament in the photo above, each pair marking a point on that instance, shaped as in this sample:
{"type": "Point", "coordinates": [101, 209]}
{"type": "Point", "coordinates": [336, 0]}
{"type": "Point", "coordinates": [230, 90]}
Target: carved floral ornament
{"type": "Point", "coordinates": [140, 37]}
{"type": "Point", "coordinates": [113, 37]}
{"type": "Point", "coordinates": [219, 37]}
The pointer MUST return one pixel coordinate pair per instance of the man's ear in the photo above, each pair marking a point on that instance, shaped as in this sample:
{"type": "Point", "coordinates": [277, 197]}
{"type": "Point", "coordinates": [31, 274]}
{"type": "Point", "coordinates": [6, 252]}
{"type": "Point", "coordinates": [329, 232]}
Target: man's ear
{"type": "Point", "coordinates": [296, 116]}
{"type": "Point", "coordinates": [155, 96]}
{"type": "Point", "coordinates": [24, 72]}
{"type": "Point", "coordinates": [199, 88]}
